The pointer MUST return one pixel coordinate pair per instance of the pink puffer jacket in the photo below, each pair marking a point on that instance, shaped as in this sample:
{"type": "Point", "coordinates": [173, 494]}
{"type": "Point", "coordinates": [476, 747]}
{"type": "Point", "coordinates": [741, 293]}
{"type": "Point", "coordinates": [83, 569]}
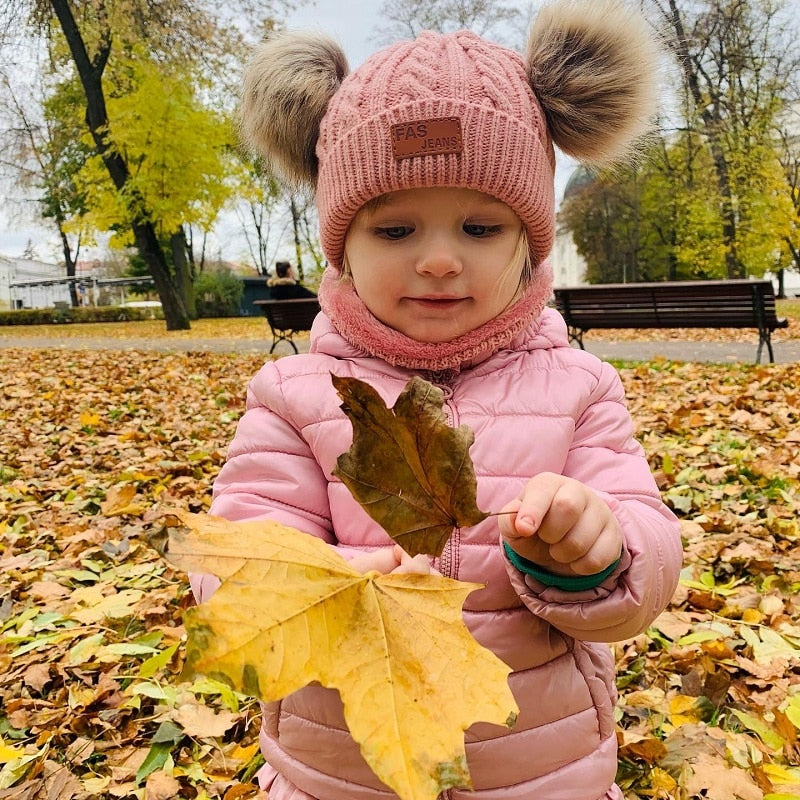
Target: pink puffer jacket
{"type": "Point", "coordinates": [539, 405]}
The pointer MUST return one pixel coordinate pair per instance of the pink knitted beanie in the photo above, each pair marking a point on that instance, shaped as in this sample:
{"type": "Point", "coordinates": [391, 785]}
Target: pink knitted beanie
{"type": "Point", "coordinates": [443, 110]}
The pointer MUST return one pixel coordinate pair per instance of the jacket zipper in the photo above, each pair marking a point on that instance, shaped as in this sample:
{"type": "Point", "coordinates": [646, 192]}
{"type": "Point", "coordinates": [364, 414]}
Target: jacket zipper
{"type": "Point", "coordinates": [447, 562]}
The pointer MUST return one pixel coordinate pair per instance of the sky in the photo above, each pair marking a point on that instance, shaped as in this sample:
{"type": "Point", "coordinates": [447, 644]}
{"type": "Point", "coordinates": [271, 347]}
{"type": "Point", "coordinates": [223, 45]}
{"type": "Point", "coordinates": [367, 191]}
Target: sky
{"type": "Point", "coordinates": [353, 24]}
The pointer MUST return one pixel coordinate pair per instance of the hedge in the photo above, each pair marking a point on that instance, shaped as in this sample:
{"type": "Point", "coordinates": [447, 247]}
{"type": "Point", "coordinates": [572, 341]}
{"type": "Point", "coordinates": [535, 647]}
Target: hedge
{"type": "Point", "coordinates": [51, 316]}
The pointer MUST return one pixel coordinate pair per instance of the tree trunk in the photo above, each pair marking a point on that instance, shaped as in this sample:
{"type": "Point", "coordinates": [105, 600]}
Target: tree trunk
{"type": "Point", "coordinates": [781, 293]}
{"type": "Point", "coordinates": [69, 263]}
{"type": "Point", "coordinates": [734, 267]}
{"type": "Point", "coordinates": [794, 251]}
{"type": "Point", "coordinates": [298, 250]}
{"type": "Point", "coordinates": [183, 277]}
{"type": "Point", "coordinates": [150, 250]}
{"type": "Point", "coordinates": [91, 75]}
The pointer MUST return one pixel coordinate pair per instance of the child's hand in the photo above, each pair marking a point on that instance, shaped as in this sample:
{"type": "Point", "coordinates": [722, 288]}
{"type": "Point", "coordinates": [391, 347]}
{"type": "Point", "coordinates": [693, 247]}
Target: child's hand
{"type": "Point", "coordinates": [392, 560]}
{"type": "Point", "coordinates": [562, 526]}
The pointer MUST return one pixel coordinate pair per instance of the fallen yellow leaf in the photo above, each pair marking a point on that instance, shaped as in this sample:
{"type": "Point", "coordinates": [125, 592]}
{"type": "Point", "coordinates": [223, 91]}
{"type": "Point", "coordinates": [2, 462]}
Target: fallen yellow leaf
{"type": "Point", "coordinates": [782, 775]}
{"type": "Point", "coordinates": [767, 645]}
{"type": "Point", "coordinates": [92, 606]}
{"type": "Point", "coordinates": [201, 721]}
{"type": "Point", "coordinates": [652, 698]}
{"type": "Point", "coordinates": [9, 752]}
{"type": "Point", "coordinates": [89, 419]}
{"type": "Point", "coordinates": [752, 616]}
{"type": "Point", "coordinates": [716, 780]}
{"type": "Point", "coordinates": [661, 780]}
{"type": "Point", "coordinates": [683, 709]}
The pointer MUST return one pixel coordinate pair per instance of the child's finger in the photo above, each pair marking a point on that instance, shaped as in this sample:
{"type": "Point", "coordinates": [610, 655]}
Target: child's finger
{"type": "Point", "coordinates": [418, 565]}
{"type": "Point", "coordinates": [535, 502]}
{"type": "Point", "coordinates": [507, 518]}
{"type": "Point", "coordinates": [604, 551]}
{"type": "Point", "coordinates": [383, 561]}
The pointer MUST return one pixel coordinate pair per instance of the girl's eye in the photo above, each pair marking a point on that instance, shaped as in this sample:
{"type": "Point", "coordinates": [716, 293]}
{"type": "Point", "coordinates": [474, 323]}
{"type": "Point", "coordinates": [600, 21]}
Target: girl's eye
{"type": "Point", "coordinates": [480, 231]}
{"type": "Point", "coordinates": [394, 231]}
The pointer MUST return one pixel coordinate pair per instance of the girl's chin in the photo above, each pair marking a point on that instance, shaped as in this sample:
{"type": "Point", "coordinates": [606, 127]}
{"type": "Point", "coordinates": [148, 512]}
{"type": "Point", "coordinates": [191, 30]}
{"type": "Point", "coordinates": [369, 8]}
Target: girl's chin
{"type": "Point", "coordinates": [431, 335]}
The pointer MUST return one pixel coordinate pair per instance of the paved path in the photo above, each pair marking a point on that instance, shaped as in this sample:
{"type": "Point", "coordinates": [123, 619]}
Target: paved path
{"type": "Point", "coordinates": [709, 352]}
{"type": "Point", "coordinates": [165, 345]}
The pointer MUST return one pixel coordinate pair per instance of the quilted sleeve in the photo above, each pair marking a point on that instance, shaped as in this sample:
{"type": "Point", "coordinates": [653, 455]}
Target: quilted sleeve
{"type": "Point", "coordinates": [605, 456]}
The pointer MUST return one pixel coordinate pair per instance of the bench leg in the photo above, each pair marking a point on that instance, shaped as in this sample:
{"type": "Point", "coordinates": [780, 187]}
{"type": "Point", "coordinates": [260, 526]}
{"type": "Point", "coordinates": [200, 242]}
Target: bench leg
{"type": "Point", "coordinates": [576, 335]}
{"type": "Point", "coordinates": [279, 336]}
{"type": "Point", "coordinates": [764, 338]}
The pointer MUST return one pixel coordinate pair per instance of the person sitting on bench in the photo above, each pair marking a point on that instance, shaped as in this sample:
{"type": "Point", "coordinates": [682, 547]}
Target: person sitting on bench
{"type": "Point", "coordinates": [284, 286]}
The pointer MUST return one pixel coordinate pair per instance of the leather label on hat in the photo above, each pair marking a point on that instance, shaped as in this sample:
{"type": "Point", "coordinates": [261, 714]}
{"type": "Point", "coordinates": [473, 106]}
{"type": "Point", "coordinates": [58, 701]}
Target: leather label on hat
{"type": "Point", "coordinates": [426, 137]}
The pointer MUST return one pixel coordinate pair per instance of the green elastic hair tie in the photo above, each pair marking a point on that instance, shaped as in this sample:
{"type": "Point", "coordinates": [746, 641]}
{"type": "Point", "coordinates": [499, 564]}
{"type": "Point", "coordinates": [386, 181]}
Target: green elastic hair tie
{"type": "Point", "coordinates": [576, 583]}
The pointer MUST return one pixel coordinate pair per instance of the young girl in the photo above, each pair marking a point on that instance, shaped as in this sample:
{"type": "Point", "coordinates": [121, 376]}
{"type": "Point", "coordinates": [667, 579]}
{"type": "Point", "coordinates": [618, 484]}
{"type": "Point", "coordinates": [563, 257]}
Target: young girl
{"type": "Point", "coordinates": [433, 168]}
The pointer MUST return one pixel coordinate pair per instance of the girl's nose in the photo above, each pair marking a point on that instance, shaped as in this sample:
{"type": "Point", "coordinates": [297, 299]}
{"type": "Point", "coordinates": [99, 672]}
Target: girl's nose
{"type": "Point", "coordinates": [439, 260]}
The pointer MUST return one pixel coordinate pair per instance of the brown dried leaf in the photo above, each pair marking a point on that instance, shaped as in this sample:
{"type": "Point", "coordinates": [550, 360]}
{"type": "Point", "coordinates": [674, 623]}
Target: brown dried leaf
{"type": "Point", "coordinates": [409, 470]}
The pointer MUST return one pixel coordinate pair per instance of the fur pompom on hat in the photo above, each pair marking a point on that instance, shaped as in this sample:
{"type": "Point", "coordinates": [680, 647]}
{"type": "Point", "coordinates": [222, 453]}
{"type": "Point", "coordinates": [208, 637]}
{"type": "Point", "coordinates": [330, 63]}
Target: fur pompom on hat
{"type": "Point", "coordinates": [287, 86]}
{"type": "Point", "coordinates": [453, 110]}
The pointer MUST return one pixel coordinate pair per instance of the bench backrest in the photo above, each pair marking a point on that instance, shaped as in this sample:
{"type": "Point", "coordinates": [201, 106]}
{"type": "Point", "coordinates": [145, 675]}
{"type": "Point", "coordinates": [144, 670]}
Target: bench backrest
{"type": "Point", "coordinates": [290, 315]}
{"type": "Point", "coordinates": [683, 304]}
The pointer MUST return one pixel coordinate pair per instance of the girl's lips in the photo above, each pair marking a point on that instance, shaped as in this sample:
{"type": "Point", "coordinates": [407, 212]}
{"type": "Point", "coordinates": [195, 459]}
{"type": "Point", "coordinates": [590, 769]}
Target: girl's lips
{"type": "Point", "coordinates": [437, 302]}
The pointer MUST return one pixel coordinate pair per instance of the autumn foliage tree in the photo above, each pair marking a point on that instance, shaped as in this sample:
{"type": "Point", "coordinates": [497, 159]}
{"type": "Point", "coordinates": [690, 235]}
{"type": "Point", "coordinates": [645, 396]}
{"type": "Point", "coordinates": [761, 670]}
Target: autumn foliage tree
{"type": "Point", "coordinates": [602, 212]}
{"type": "Point", "coordinates": [180, 152]}
{"type": "Point", "coordinates": [680, 237]}
{"type": "Point", "coordinates": [145, 71]}
{"type": "Point", "coordinates": [736, 62]}
{"type": "Point", "coordinates": [713, 198]}
{"type": "Point", "coordinates": [90, 50]}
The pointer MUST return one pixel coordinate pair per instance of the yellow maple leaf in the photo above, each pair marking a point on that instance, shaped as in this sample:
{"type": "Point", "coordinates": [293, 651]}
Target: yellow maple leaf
{"type": "Point", "coordinates": [89, 419]}
{"type": "Point", "coordinates": [10, 752]}
{"type": "Point", "coordinates": [661, 780]}
{"type": "Point", "coordinates": [411, 677]}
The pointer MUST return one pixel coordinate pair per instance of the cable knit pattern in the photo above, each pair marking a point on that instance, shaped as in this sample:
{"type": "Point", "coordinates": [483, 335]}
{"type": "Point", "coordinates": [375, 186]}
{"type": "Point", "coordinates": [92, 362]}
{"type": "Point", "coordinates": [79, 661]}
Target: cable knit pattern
{"type": "Point", "coordinates": [506, 148]}
{"type": "Point", "coordinates": [354, 321]}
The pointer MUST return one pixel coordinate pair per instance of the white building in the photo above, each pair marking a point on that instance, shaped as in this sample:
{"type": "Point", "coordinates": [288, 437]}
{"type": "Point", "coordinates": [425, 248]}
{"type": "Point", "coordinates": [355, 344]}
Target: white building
{"type": "Point", "coordinates": [791, 282]}
{"type": "Point", "coordinates": [569, 268]}
{"type": "Point", "coordinates": [25, 283]}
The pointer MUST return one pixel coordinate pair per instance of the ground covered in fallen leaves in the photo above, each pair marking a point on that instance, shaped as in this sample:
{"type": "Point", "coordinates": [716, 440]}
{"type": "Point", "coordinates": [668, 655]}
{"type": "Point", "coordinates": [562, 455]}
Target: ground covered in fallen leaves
{"type": "Point", "coordinates": [91, 639]}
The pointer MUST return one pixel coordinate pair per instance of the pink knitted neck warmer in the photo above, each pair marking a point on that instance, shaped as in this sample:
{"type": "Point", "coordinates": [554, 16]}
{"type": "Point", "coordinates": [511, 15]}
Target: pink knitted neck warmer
{"type": "Point", "coordinates": [360, 328]}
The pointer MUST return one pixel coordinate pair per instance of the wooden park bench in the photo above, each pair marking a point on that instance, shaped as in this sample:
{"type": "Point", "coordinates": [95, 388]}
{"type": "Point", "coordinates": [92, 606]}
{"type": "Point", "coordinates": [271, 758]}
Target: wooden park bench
{"type": "Point", "coordinates": [288, 317]}
{"type": "Point", "coordinates": [681, 304]}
